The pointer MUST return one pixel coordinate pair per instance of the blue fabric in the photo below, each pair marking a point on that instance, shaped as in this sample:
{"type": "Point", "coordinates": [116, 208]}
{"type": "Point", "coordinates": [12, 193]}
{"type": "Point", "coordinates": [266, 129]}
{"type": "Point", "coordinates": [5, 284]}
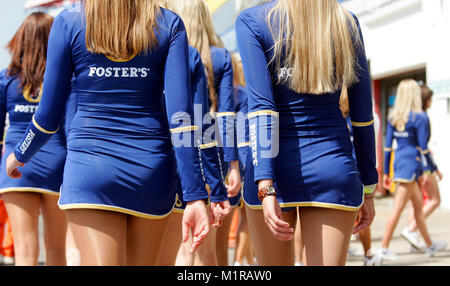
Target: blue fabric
{"type": "Point", "coordinates": [44, 172]}
{"type": "Point", "coordinates": [119, 146]}
{"type": "Point", "coordinates": [412, 145]}
{"type": "Point", "coordinates": [314, 161]}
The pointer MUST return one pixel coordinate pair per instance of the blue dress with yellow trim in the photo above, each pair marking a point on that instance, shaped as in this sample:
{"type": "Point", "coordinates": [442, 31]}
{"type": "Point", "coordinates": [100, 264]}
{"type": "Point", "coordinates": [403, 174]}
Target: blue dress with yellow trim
{"type": "Point", "coordinates": [208, 146]}
{"type": "Point", "coordinates": [121, 142]}
{"type": "Point", "coordinates": [44, 173]}
{"type": "Point", "coordinates": [243, 143]}
{"type": "Point", "coordinates": [426, 167]}
{"type": "Point", "coordinates": [412, 144]}
{"type": "Point", "coordinates": [301, 141]}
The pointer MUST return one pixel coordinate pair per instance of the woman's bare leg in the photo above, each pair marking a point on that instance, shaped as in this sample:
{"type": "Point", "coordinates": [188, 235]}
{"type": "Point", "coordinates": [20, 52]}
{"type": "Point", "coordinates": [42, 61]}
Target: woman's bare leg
{"type": "Point", "coordinates": [365, 237]}
{"type": "Point", "coordinates": [73, 257]}
{"type": "Point", "coordinates": [434, 200]}
{"type": "Point", "coordinates": [279, 253]}
{"type": "Point", "coordinates": [298, 241]}
{"type": "Point", "coordinates": [402, 195]}
{"type": "Point", "coordinates": [99, 235]}
{"type": "Point", "coordinates": [326, 235]}
{"type": "Point", "coordinates": [222, 237]}
{"type": "Point", "coordinates": [206, 252]}
{"type": "Point", "coordinates": [243, 245]}
{"type": "Point", "coordinates": [55, 231]}
{"type": "Point", "coordinates": [172, 241]}
{"type": "Point", "coordinates": [185, 257]}
{"type": "Point", "coordinates": [417, 203]}
{"type": "Point", "coordinates": [23, 210]}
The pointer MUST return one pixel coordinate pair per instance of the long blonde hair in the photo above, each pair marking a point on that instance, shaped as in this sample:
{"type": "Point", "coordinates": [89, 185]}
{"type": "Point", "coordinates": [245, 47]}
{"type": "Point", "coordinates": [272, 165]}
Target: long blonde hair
{"type": "Point", "coordinates": [315, 38]}
{"type": "Point", "coordinates": [238, 70]}
{"type": "Point", "coordinates": [201, 35]}
{"type": "Point", "coordinates": [344, 104]}
{"type": "Point", "coordinates": [408, 99]}
{"type": "Point", "coordinates": [121, 28]}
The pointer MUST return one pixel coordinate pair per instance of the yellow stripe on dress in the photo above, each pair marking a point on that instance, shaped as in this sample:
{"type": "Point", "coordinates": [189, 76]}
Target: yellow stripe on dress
{"type": "Point", "coordinates": [223, 114]}
{"type": "Point", "coordinates": [245, 144]}
{"type": "Point", "coordinates": [209, 145]}
{"type": "Point", "coordinates": [262, 112]}
{"type": "Point", "coordinates": [362, 124]}
{"type": "Point", "coordinates": [388, 149]}
{"type": "Point", "coordinates": [42, 129]}
{"type": "Point", "coordinates": [118, 60]}
{"type": "Point", "coordinates": [184, 129]}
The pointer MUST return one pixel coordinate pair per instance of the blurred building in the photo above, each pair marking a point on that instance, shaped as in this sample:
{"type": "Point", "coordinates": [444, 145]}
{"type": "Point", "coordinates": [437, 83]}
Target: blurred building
{"type": "Point", "coordinates": [409, 39]}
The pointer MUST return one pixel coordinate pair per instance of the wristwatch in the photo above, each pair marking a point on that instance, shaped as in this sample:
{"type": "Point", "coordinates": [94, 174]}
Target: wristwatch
{"type": "Point", "coordinates": [265, 192]}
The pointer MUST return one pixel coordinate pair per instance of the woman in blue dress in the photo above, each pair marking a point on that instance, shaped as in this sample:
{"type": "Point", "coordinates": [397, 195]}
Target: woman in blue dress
{"type": "Point", "coordinates": [429, 182]}
{"type": "Point", "coordinates": [409, 126]}
{"type": "Point", "coordinates": [120, 176]}
{"type": "Point", "coordinates": [38, 187]}
{"type": "Point", "coordinates": [295, 67]}
{"type": "Point", "coordinates": [219, 73]}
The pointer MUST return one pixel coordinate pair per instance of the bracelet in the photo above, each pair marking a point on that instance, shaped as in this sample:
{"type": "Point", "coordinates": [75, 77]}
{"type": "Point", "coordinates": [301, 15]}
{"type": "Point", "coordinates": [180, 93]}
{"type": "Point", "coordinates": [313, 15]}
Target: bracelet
{"type": "Point", "coordinates": [265, 192]}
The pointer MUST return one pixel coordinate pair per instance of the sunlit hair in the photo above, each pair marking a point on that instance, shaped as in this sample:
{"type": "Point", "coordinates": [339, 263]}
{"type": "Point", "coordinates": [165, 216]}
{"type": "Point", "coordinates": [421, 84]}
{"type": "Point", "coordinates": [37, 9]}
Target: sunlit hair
{"type": "Point", "coordinates": [343, 102]}
{"type": "Point", "coordinates": [427, 94]}
{"type": "Point", "coordinates": [121, 28]}
{"type": "Point", "coordinates": [316, 38]}
{"type": "Point", "coordinates": [201, 35]}
{"type": "Point", "coordinates": [408, 100]}
{"type": "Point", "coordinates": [238, 70]}
{"type": "Point", "coordinates": [28, 49]}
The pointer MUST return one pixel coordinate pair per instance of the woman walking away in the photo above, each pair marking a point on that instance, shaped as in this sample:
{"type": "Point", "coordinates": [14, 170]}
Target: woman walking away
{"type": "Point", "coordinates": [408, 125]}
{"type": "Point", "coordinates": [299, 138]}
{"type": "Point", "coordinates": [37, 189]}
{"type": "Point", "coordinates": [429, 184]}
{"type": "Point", "coordinates": [120, 174]}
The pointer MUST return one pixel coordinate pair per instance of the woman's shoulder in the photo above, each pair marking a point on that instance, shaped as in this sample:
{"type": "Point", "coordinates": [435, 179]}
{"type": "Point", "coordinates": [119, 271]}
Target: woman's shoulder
{"type": "Point", "coordinates": [255, 17]}
{"type": "Point", "coordinates": [419, 117]}
{"type": "Point", "coordinates": [5, 78]}
{"type": "Point", "coordinates": [169, 19]}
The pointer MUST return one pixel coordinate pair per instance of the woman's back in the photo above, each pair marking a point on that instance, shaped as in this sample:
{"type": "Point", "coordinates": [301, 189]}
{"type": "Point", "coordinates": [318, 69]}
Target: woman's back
{"type": "Point", "coordinates": [122, 95]}
{"type": "Point", "coordinates": [299, 114]}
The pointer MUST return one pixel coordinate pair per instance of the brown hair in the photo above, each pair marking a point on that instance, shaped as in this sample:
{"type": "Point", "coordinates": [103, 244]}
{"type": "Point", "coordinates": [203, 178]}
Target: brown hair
{"type": "Point", "coordinates": [427, 94]}
{"type": "Point", "coordinates": [121, 29]}
{"type": "Point", "coordinates": [28, 49]}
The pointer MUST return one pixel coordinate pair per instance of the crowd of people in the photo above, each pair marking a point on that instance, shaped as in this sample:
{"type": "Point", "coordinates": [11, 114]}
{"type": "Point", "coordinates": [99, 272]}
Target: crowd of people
{"type": "Point", "coordinates": [136, 135]}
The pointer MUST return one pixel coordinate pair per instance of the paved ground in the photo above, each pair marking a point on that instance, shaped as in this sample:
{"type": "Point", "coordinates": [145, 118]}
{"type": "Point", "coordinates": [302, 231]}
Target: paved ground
{"type": "Point", "coordinates": [438, 225]}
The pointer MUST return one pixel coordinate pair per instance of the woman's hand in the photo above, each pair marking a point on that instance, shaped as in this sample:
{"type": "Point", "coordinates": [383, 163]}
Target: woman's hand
{"type": "Point", "coordinates": [366, 214]}
{"type": "Point", "coordinates": [386, 182]}
{"type": "Point", "coordinates": [195, 219]}
{"type": "Point", "coordinates": [234, 180]}
{"type": "Point", "coordinates": [219, 212]}
{"type": "Point", "coordinates": [11, 167]}
{"type": "Point", "coordinates": [273, 215]}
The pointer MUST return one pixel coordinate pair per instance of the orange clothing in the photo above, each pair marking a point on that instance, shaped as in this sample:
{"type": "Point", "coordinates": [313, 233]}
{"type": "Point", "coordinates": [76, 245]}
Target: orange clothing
{"type": "Point", "coordinates": [6, 240]}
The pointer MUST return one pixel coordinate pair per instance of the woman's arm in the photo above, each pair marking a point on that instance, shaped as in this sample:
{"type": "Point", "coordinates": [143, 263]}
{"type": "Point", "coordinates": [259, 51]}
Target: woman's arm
{"type": "Point", "coordinates": [262, 113]}
{"type": "Point", "coordinates": [362, 120]}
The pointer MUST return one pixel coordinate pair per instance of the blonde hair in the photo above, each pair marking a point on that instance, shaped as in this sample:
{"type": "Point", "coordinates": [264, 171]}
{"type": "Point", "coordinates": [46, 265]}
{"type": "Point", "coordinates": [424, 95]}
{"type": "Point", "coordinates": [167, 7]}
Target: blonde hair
{"type": "Point", "coordinates": [343, 102]}
{"type": "Point", "coordinates": [315, 39]}
{"type": "Point", "coordinates": [408, 99]}
{"type": "Point", "coordinates": [238, 70]}
{"type": "Point", "coordinates": [121, 28]}
{"type": "Point", "coordinates": [201, 35]}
